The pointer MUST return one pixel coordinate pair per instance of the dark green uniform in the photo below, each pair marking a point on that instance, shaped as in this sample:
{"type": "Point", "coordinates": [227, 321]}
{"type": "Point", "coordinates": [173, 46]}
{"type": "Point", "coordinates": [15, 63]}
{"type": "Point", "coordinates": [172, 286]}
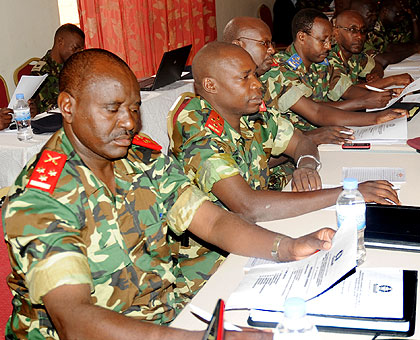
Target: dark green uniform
{"type": "Point", "coordinates": [211, 150]}
{"type": "Point", "coordinates": [78, 232]}
{"type": "Point", "coordinates": [289, 81]}
{"type": "Point", "coordinates": [47, 94]}
{"type": "Point", "coordinates": [356, 68]}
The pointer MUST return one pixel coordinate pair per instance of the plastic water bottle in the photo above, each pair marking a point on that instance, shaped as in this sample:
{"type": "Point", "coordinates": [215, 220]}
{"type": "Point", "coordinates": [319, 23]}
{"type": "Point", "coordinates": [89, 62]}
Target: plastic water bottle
{"type": "Point", "coordinates": [351, 210]}
{"type": "Point", "coordinates": [296, 324]}
{"type": "Point", "coordinates": [22, 116]}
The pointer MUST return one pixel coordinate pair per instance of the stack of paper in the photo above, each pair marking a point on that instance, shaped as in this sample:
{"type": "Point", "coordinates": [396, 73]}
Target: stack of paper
{"type": "Point", "coordinates": [362, 174]}
{"type": "Point", "coordinates": [392, 132]}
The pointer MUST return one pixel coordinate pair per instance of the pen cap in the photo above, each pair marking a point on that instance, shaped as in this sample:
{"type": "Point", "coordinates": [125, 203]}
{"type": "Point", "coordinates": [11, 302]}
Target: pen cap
{"type": "Point", "coordinates": [294, 308]}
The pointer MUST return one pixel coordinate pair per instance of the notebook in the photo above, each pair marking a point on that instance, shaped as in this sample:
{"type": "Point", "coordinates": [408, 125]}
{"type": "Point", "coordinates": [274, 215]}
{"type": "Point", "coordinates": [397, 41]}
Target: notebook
{"type": "Point", "coordinates": [393, 227]}
{"type": "Point", "coordinates": [170, 69]}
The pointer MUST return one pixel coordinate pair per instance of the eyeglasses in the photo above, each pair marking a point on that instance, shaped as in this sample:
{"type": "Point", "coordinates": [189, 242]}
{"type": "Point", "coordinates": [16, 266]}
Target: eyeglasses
{"type": "Point", "coordinates": [265, 43]}
{"type": "Point", "coordinates": [354, 30]}
{"type": "Point", "coordinates": [324, 42]}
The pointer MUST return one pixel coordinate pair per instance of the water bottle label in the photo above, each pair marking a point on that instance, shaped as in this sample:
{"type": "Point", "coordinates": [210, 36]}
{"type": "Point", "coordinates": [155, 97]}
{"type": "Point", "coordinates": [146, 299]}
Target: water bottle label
{"type": "Point", "coordinates": [22, 114]}
{"type": "Point", "coordinates": [353, 215]}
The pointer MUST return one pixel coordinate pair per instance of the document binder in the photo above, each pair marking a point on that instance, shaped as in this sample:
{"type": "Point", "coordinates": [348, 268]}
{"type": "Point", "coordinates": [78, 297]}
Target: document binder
{"type": "Point", "coordinates": [378, 326]}
{"type": "Point", "coordinates": [393, 227]}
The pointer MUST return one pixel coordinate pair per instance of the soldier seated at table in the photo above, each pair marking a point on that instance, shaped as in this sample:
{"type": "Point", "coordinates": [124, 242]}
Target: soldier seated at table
{"type": "Point", "coordinates": [91, 222]}
{"type": "Point", "coordinates": [321, 123]}
{"type": "Point", "coordinates": [393, 29]}
{"type": "Point", "coordinates": [304, 71]}
{"type": "Point", "coordinates": [68, 39]}
{"type": "Point", "coordinates": [347, 55]}
{"type": "Point", "coordinates": [5, 117]}
{"type": "Point", "coordinates": [226, 156]}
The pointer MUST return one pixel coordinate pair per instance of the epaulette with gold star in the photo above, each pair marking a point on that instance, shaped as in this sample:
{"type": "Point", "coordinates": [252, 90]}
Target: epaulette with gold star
{"type": "Point", "coordinates": [263, 107]}
{"type": "Point", "coordinates": [47, 171]}
{"type": "Point", "coordinates": [215, 123]}
{"type": "Point", "coordinates": [146, 142]}
{"type": "Point", "coordinates": [294, 61]}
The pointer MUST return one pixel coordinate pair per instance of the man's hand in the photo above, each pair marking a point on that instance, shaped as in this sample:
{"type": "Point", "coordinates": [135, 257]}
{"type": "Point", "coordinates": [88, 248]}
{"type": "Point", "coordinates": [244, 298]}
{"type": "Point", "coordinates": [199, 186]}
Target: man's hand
{"type": "Point", "coordinates": [306, 179]}
{"type": "Point", "coordinates": [379, 192]}
{"type": "Point", "coordinates": [33, 107]}
{"type": "Point", "coordinates": [402, 79]}
{"type": "Point", "coordinates": [5, 118]}
{"type": "Point", "coordinates": [390, 114]}
{"type": "Point", "coordinates": [292, 249]}
{"type": "Point", "coordinates": [330, 135]}
{"type": "Point", "coordinates": [375, 99]}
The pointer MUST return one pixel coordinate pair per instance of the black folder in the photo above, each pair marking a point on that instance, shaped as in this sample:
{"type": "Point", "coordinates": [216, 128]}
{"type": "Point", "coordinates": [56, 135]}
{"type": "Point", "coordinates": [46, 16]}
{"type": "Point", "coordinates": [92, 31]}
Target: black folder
{"type": "Point", "coordinates": [395, 327]}
{"type": "Point", "coordinates": [393, 227]}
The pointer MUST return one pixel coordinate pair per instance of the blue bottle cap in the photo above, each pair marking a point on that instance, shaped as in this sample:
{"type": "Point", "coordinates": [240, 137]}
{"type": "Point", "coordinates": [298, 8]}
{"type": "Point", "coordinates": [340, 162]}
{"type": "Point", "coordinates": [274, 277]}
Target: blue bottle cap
{"type": "Point", "coordinates": [294, 308]}
{"type": "Point", "coordinates": [19, 96]}
{"type": "Point", "coordinates": [350, 183]}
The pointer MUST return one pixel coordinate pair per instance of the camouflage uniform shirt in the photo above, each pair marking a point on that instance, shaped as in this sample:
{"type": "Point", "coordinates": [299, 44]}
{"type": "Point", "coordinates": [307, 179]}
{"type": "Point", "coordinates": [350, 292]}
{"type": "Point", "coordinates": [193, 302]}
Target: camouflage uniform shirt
{"type": "Point", "coordinates": [380, 38]}
{"type": "Point", "coordinates": [82, 234]}
{"type": "Point", "coordinates": [209, 156]}
{"type": "Point", "coordinates": [358, 66]}
{"type": "Point", "coordinates": [47, 94]}
{"type": "Point", "coordinates": [289, 81]}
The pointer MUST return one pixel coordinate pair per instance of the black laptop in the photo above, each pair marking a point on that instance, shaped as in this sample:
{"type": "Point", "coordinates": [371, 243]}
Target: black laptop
{"type": "Point", "coordinates": [170, 69]}
{"type": "Point", "coordinates": [393, 227]}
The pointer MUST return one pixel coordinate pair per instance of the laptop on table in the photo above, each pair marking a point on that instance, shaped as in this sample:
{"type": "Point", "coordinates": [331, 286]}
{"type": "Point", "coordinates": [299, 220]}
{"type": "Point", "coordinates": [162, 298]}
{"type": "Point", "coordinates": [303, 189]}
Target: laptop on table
{"type": "Point", "coordinates": [170, 69]}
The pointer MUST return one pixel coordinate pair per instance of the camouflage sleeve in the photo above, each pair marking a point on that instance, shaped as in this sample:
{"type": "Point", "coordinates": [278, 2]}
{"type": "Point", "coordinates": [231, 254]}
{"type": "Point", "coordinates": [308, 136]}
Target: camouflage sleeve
{"type": "Point", "coordinates": [47, 94]}
{"type": "Point", "coordinates": [338, 84]}
{"type": "Point", "coordinates": [374, 45]}
{"type": "Point", "coordinates": [283, 88]}
{"type": "Point", "coordinates": [367, 64]}
{"type": "Point", "coordinates": [281, 131]}
{"type": "Point", "coordinates": [45, 241]}
{"type": "Point", "coordinates": [206, 156]}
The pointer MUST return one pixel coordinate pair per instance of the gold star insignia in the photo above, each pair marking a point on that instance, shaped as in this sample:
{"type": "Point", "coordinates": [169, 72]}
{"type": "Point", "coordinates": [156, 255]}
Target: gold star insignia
{"type": "Point", "coordinates": [43, 178]}
{"type": "Point", "coordinates": [52, 173]}
{"type": "Point", "coordinates": [40, 170]}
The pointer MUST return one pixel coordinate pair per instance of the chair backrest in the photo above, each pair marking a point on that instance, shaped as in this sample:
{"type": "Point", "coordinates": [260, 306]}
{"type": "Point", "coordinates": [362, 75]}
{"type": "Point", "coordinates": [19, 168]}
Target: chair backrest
{"type": "Point", "coordinates": [24, 69]}
{"type": "Point", "coordinates": [5, 294]}
{"type": "Point", "coordinates": [264, 13]}
{"type": "Point", "coordinates": [4, 93]}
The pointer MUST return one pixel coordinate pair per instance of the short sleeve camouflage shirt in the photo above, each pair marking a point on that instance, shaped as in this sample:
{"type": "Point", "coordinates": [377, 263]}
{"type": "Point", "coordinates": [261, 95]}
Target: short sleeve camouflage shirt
{"type": "Point", "coordinates": [209, 157]}
{"type": "Point", "coordinates": [286, 83]}
{"type": "Point", "coordinates": [358, 66]}
{"type": "Point", "coordinates": [83, 234]}
{"type": "Point", "coordinates": [47, 94]}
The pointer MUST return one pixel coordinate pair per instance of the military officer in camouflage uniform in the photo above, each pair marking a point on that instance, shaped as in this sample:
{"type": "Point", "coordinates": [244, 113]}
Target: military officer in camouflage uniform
{"type": "Point", "coordinates": [91, 222]}
{"type": "Point", "coordinates": [68, 39]}
{"type": "Point", "coordinates": [347, 55]}
{"type": "Point", "coordinates": [394, 34]}
{"type": "Point", "coordinates": [226, 156]}
{"type": "Point", "coordinates": [254, 36]}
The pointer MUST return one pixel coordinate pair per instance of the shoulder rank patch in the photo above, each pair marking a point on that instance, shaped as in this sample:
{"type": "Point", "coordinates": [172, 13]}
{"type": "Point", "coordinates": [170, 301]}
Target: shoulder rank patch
{"type": "Point", "coordinates": [325, 62]}
{"type": "Point", "coordinates": [47, 171]}
{"type": "Point", "coordinates": [274, 63]}
{"type": "Point", "coordinates": [263, 108]}
{"type": "Point", "coordinates": [215, 123]}
{"type": "Point", "coordinates": [294, 61]}
{"type": "Point", "coordinates": [148, 143]}
{"type": "Point", "coordinates": [38, 66]}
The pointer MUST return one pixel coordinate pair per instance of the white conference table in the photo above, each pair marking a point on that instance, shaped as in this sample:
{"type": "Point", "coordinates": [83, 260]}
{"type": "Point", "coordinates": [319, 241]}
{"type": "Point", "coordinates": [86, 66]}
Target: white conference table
{"type": "Point", "coordinates": [227, 277]}
{"type": "Point", "coordinates": [14, 154]}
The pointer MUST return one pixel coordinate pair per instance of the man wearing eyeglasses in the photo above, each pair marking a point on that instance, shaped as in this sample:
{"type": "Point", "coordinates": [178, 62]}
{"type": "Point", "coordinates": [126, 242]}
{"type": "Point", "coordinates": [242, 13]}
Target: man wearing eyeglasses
{"type": "Point", "coordinates": [347, 55]}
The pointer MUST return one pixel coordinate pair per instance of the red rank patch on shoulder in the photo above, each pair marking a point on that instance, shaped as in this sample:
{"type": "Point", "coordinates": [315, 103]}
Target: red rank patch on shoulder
{"type": "Point", "coordinates": [263, 108]}
{"type": "Point", "coordinates": [146, 142]}
{"type": "Point", "coordinates": [47, 171]}
{"type": "Point", "coordinates": [215, 123]}
{"type": "Point", "coordinates": [274, 63]}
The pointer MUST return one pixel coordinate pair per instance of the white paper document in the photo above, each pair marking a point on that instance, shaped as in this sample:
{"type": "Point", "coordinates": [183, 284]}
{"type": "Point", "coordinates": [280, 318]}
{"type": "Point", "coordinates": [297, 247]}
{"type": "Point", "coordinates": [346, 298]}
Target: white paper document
{"type": "Point", "coordinates": [267, 286]}
{"type": "Point", "coordinates": [362, 174]}
{"type": "Point", "coordinates": [413, 86]}
{"type": "Point", "coordinates": [28, 86]}
{"type": "Point", "coordinates": [412, 98]}
{"type": "Point", "coordinates": [392, 132]}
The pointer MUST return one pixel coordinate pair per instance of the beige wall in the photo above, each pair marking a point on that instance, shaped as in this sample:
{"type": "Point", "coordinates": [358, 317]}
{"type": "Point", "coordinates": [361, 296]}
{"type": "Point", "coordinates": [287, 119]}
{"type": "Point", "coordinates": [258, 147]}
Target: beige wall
{"type": "Point", "coordinates": [227, 9]}
{"type": "Point", "coordinates": [27, 29]}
